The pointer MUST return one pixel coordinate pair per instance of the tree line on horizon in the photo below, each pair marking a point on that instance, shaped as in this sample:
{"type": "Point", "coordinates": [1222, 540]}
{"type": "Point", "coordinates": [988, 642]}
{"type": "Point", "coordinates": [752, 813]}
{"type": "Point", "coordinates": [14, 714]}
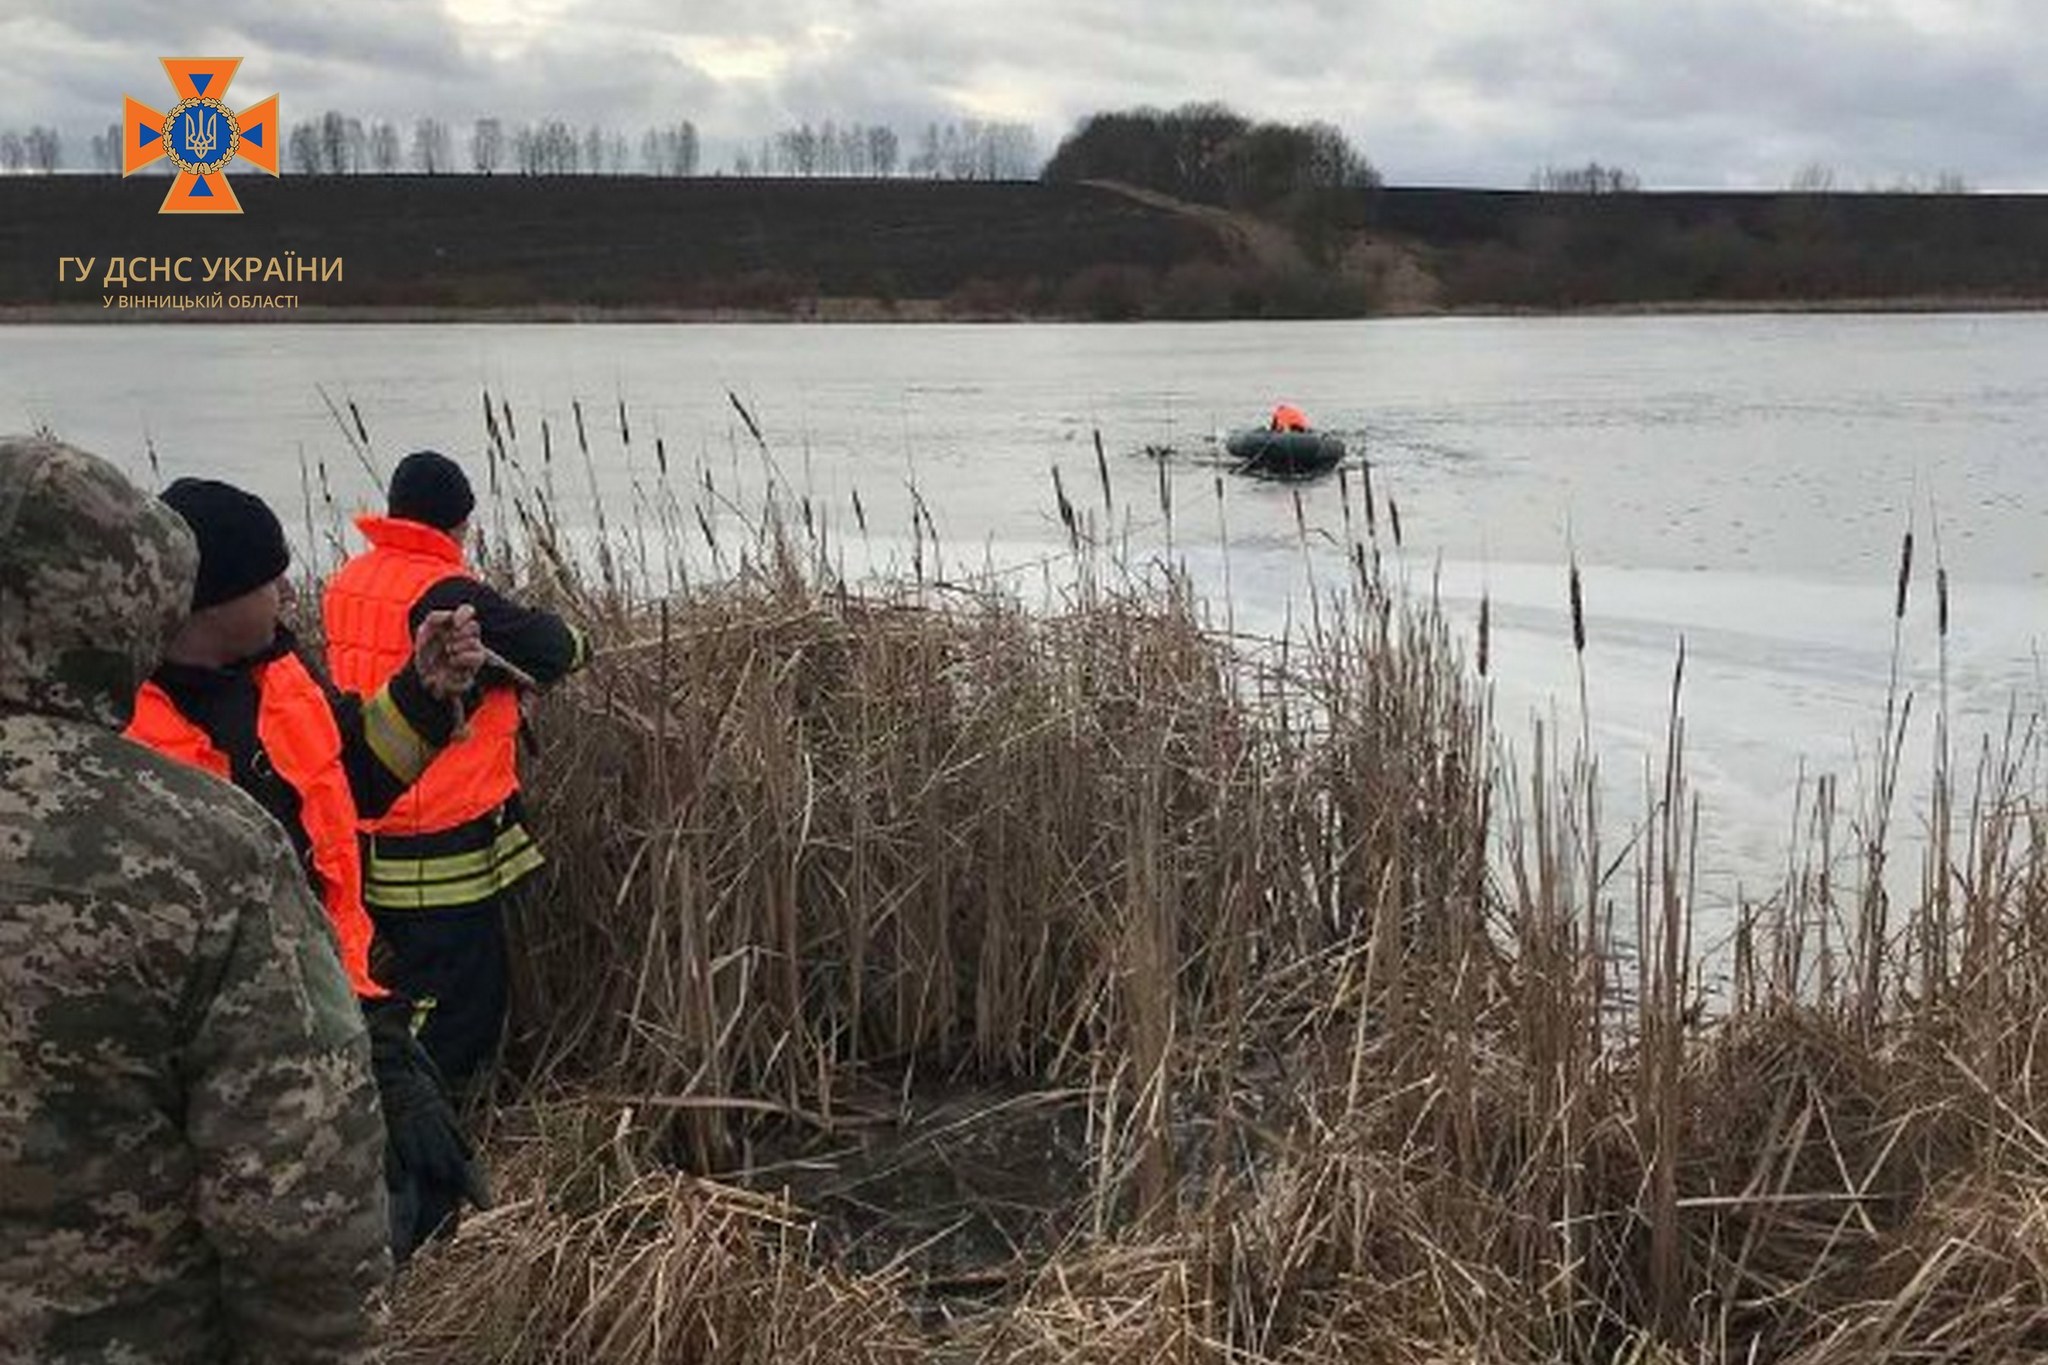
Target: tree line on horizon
{"type": "Point", "coordinates": [336, 143]}
{"type": "Point", "coordinates": [1203, 151]}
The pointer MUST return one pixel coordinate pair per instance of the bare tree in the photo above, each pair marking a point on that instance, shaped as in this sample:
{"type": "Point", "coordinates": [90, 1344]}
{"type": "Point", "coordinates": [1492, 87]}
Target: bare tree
{"type": "Point", "coordinates": [671, 149]}
{"type": "Point", "coordinates": [333, 142]}
{"type": "Point", "coordinates": [384, 151]}
{"type": "Point", "coordinates": [562, 151]}
{"type": "Point", "coordinates": [106, 149]}
{"type": "Point", "coordinates": [431, 147]}
{"type": "Point", "coordinates": [551, 147]}
{"type": "Point", "coordinates": [44, 148]}
{"type": "Point", "coordinates": [882, 150]}
{"type": "Point", "coordinates": [1012, 151]}
{"type": "Point", "coordinates": [356, 139]}
{"type": "Point", "coordinates": [655, 154]}
{"type": "Point", "coordinates": [13, 151]}
{"type": "Point", "coordinates": [304, 150]}
{"type": "Point", "coordinates": [803, 150]}
{"type": "Point", "coordinates": [1814, 177]}
{"type": "Point", "coordinates": [925, 160]}
{"type": "Point", "coordinates": [487, 145]}
{"type": "Point", "coordinates": [1591, 178]}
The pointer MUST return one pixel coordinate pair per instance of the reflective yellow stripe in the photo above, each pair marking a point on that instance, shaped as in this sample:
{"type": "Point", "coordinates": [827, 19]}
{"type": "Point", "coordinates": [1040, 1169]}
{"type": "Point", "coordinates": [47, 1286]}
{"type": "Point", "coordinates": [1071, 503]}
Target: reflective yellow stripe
{"type": "Point", "coordinates": [449, 866]}
{"type": "Point", "coordinates": [397, 745]}
{"type": "Point", "coordinates": [445, 895]}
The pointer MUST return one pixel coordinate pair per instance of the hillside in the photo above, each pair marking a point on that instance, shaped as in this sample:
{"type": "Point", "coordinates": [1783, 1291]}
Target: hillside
{"type": "Point", "coordinates": [641, 247]}
{"type": "Point", "coordinates": [605, 243]}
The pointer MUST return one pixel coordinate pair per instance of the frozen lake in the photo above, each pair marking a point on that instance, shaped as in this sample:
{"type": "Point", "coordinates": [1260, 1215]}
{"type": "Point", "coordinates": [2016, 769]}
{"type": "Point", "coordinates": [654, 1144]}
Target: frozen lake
{"type": "Point", "coordinates": [1742, 482]}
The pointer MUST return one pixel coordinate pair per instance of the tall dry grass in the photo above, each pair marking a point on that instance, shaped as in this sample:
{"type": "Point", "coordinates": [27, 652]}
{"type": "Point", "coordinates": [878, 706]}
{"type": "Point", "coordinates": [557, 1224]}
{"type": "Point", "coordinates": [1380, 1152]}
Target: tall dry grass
{"type": "Point", "coordinates": [1377, 1052]}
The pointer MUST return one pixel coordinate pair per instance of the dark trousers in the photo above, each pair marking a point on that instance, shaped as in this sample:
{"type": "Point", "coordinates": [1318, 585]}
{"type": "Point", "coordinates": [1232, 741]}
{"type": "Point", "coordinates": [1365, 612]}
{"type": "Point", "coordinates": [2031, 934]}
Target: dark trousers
{"type": "Point", "coordinates": [457, 958]}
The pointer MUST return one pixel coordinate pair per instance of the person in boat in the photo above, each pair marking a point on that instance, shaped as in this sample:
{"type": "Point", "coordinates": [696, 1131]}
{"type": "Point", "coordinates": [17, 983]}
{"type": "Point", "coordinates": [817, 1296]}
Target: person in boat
{"type": "Point", "coordinates": [1287, 417]}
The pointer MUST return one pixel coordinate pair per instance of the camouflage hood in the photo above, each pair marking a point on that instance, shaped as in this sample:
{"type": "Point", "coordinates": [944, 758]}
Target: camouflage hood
{"type": "Point", "coordinates": [95, 575]}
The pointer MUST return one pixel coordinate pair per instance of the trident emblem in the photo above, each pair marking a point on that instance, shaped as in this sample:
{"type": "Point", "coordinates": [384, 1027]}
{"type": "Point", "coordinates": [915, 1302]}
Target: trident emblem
{"type": "Point", "coordinates": [200, 136]}
{"type": "Point", "coordinates": [202, 132]}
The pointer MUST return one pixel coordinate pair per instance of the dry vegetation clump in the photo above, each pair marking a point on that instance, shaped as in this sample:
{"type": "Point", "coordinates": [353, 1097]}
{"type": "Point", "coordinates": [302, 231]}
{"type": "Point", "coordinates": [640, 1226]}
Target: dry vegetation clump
{"type": "Point", "coordinates": [919, 973]}
{"type": "Point", "coordinates": [818, 832]}
{"type": "Point", "coordinates": [602, 1263]}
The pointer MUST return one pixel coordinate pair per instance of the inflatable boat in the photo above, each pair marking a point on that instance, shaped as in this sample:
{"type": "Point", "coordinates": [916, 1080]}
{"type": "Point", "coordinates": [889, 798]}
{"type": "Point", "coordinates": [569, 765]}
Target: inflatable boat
{"type": "Point", "coordinates": [1284, 454]}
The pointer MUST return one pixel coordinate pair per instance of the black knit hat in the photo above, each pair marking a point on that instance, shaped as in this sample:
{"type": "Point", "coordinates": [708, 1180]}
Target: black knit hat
{"type": "Point", "coordinates": [241, 544]}
{"type": "Point", "coordinates": [428, 486]}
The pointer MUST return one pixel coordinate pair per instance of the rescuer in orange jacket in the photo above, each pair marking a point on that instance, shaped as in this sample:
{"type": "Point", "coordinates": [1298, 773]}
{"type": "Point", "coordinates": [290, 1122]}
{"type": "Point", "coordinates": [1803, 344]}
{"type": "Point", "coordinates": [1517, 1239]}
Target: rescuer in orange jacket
{"type": "Point", "coordinates": [235, 696]}
{"type": "Point", "coordinates": [444, 860]}
{"type": "Point", "coordinates": [1287, 417]}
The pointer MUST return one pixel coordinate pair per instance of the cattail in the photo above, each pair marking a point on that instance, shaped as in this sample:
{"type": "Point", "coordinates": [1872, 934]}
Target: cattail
{"type": "Point", "coordinates": [1344, 498]}
{"type": "Point", "coordinates": [1394, 518]}
{"type": "Point", "coordinates": [1485, 629]}
{"type": "Point", "coordinates": [1365, 477]}
{"type": "Point", "coordinates": [753, 427]}
{"type": "Point", "coordinates": [1905, 574]}
{"type": "Point", "coordinates": [860, 513]}
{"type": "Point", "coordinates": [511, 431]}
{"type": "Point", "coordinates": [1165, 494]}
{"type": "Point", "coordinates": [305, 490]}
{"type": "Point", "coordinates": [661, 456]}
{"type": "Point", "coordinates": [362, 433]}
{"type": "Point", "coordinates": [582, 437]}
{"type": "Point", "coordinates": [1059, 491]}
{"type": "Point", "coordinates": [1941, 600]}
{"type": "Point", "coordinates": [1578, 612]}
{"type": "Point", "coordinates": [625, 429]}
{"type": "Point", "coordinates": [1300, 520]}
{"type": "Point", "coordinates": [1102, 472]}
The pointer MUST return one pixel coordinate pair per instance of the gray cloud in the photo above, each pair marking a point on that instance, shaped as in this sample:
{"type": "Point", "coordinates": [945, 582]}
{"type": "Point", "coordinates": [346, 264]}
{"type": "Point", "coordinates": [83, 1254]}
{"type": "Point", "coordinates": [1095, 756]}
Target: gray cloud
{"type": "Point", "coordinates": [1688, 92]}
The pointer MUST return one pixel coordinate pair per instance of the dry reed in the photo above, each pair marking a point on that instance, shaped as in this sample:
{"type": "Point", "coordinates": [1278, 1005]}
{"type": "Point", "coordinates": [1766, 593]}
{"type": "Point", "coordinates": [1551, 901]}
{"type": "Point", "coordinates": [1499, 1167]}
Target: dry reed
{"type": "Point", "coordinates": [1366, 1069]}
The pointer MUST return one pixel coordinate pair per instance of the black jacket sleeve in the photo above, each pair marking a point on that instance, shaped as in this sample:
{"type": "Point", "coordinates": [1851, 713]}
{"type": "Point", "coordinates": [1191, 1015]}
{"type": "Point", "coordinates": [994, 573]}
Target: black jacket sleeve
{"type": "Point", "coordinates": [540, 642]}
{"type": "Point", "coordinates": [387, 739]}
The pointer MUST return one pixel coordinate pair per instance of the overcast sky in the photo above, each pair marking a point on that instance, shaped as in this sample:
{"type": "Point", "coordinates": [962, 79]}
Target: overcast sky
{"type": "Point", "coordinates": [1688, 93]}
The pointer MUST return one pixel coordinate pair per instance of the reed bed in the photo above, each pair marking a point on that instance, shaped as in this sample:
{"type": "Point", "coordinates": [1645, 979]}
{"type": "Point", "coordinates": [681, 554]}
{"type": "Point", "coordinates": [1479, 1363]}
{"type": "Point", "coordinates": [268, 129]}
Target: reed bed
{"type": "Point", "coordinates": [1301, 1023]}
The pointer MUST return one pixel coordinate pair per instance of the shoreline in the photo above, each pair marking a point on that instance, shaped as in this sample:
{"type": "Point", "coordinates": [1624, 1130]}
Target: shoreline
{"type": "Point", "coordinates": [934, 311]}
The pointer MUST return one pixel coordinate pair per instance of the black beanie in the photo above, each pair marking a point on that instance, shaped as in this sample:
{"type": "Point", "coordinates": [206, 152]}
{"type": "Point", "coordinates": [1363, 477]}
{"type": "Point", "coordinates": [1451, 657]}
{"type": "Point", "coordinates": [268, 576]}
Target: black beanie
{"type": "Point", "coordinates": [241, 544]}
{"type": "Point", "coordinates": [429, 487]}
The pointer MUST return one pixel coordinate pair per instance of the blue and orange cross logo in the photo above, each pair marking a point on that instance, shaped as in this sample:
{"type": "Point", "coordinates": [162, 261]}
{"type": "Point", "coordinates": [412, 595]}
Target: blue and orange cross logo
{"type": "Point", "coordinates": [200, 135]}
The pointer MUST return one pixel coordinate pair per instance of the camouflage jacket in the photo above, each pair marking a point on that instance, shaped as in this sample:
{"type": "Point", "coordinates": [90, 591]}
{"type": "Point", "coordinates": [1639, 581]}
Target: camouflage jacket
{"type": "Point", "coordinates": [190, 1145]}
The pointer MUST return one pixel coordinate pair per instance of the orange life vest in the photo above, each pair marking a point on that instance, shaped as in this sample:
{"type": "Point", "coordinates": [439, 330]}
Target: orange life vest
{"type": "Point", "coordinates": [365, 610]}
{"type": "Point", "coordinates": [1289, 418]}
{"type": "Point", "coordinates": [297, 731]}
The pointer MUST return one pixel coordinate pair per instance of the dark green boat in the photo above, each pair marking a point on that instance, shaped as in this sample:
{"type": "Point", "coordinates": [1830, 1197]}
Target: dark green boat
{"type": "Point", "coordinates": [1284, 454]}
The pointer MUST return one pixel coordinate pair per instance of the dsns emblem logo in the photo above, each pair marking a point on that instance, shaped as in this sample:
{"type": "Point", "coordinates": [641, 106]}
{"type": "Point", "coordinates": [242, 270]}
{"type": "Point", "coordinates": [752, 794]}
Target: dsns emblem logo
{"type": "Point", "coordinates": [200, 135]}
